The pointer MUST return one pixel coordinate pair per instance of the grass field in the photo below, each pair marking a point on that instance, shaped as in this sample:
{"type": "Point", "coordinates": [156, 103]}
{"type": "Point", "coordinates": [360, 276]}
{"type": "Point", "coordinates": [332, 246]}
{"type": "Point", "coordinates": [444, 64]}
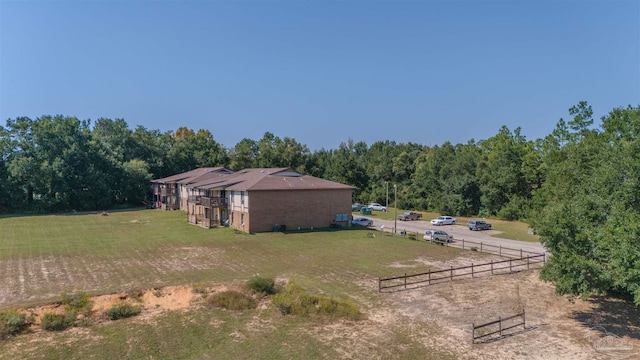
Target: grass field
{"type": "Point", "coordinates": [42, 256]}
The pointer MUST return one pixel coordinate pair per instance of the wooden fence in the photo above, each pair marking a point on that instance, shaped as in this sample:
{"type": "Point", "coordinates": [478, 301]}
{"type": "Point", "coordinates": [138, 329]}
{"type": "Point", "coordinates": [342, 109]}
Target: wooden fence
{"type": "Point", "coordinates": [501, 327]}
{"type": "Point", "coordinates": [493, 249]}
{"type": "Point", "coordinates": [413, 281]}
{"type": "Point", "coordinates": [466, 244]}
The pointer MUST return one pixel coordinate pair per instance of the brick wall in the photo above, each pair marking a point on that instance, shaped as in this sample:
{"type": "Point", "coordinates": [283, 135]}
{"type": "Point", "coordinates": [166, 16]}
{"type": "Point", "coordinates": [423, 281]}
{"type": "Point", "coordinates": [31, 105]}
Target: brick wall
{"type": "Point", "coordinates": [293, 208]}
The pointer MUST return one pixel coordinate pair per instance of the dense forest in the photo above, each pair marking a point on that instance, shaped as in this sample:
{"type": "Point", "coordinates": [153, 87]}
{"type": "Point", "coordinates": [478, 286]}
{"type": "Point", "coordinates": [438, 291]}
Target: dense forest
{"type": "Point", "coordinates": [579, 187]}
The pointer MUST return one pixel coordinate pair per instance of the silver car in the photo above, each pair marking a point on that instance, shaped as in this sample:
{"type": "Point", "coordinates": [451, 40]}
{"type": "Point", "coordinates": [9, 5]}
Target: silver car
{"type": "Point", "coordinates": [377, 207]}
{"type": "Point", "coordinates": [437, 235]}
{"type": "Point", "coordinates": [362, 222]}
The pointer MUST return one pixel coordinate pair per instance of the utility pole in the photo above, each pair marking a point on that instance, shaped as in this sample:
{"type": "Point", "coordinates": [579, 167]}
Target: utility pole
{"type": "Point", "coordinates": [395, 209]}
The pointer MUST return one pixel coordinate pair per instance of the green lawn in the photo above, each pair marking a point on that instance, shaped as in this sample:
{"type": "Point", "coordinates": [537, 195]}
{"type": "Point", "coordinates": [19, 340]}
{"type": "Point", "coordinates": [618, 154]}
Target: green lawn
{"type": "Point", "coordinates": [42, 256]}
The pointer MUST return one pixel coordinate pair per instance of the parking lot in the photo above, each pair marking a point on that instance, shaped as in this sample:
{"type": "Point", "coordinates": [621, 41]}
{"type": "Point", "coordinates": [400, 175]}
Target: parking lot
{"type": "Point", "coordinates": [459, 232]}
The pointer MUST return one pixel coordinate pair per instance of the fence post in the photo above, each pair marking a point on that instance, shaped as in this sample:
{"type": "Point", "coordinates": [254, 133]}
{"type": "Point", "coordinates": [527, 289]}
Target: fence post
{"type": "Point", "coordinates": [473, 333]}
{"type": "Point", "coordinates": [500, 322]}
{"type": "Point", "coordinates": [462, 244]}
{"type": "Point", "coordinates": [472, 270]}
{"type": "Point", "coordinates": [500, 250]}
{"type": "Point", "coordinates": [480, 246]}
{"type": "Point", "coordinates": [520, 253]}
{"type": "Point", "coordinates": [429, 276]}
{"type": "Point", "coordinates": [405, 281]}
{"type": "Point", "coordinates": [509, 267]}
{"type": "Point", "coordinates": [379, 285]}
{"type": "Point", "coordinates": [528, 257]}
{"type": "Point", "coordinates": [491, 267]}
{"type": "Point", "coordinates": [524, 321]}
{"type": "Point", "coordinates": [451, 272]}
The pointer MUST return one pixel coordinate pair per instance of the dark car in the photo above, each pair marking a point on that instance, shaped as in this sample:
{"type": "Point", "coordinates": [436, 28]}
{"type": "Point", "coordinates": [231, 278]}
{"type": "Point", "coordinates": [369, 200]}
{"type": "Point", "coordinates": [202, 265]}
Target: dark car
{"type": "Point", "coordinates": [356, 207]}
{"type": "Point", "coordinates": [478, 225]}
{"type": "Point", "coordinates": [409, 215]}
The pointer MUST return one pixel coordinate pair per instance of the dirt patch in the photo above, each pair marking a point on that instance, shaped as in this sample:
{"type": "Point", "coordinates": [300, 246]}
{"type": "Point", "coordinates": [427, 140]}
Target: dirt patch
{"type": "Point", "coordinates": [556, 328]}
{"type": "Point", "coordinates": [440, 317]}
{"type": "Point", "coordinates": [436, 319]}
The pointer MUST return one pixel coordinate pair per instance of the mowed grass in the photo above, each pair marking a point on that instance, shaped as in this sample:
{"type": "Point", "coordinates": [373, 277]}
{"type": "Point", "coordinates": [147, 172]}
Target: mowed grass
{"type": "Point", "coordinates": [42, 256]}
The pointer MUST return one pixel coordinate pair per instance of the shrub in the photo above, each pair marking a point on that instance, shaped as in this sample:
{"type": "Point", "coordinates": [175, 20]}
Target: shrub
{"type": "Point", "coordinates": [339, 308]}
{"type": "Point", "coordinates": [121, 310]}
{"type": "Point", "coordinates": [231, 300]}
{"type": "Point", "coordinates": [135, 294]}
{"type": "Point", "coordinates": [200, 288]}
{"type": "Point", "coordinates": [78, 302]}
{"type": "Point", "coordinates": [262, 285]}
{"type": "Point", "coordinates": [57, 322]}
{"type": "Point", "coordinates": [296, 301]}
{"type": "Point", "coordinates": [12, 322]}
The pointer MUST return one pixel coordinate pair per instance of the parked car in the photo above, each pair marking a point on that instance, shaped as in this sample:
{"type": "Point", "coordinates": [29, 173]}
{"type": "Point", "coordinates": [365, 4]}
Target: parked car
{"type": "Point", "coordinates": [437, 235]}
{"type": "Point", "coordinates": [478, 225]}
{"type": "Point", "coordinates": [444, 220]}
{"type": "Point", "coordinates": [409, 215]}
{"type": "Point", "coordinates": [377, 207]}
{"type": "Point", "coordinates": [356, 207]}
{"type": "Point", "coordinates": [362, 222]}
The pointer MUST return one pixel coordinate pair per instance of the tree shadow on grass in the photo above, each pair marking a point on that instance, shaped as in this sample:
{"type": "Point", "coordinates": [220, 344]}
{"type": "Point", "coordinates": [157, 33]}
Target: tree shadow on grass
{"type": "Point", "coordinates": [72, 213]}
{"type": "Point", "coordinates": [619, 317]}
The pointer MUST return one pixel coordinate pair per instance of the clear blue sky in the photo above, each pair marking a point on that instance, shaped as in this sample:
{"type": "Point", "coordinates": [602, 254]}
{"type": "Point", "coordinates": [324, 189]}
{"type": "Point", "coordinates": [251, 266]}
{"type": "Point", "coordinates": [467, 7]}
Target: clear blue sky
{"type": "Point", "coordinates": [321, 72]}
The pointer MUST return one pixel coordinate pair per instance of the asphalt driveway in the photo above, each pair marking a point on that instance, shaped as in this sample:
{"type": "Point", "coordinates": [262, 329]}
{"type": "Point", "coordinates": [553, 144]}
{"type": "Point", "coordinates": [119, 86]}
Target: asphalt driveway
{"type": "Point", "coordinates": [459, 233]}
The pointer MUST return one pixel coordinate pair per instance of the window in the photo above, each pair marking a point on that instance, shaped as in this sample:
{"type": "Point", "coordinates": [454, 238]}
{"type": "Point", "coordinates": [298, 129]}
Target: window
{"type": "Point", "coordinates": [242, 199]}
{"type": "Point", "coordinates": [242, 219]}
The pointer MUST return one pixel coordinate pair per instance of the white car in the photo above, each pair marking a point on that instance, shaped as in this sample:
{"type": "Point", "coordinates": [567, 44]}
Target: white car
{"type": "Point", "coordinates": [437, 235]}
{"type": "Point", "coordinates": [444, 220]}
{"type": "Point", "coordinates": [377, 207]}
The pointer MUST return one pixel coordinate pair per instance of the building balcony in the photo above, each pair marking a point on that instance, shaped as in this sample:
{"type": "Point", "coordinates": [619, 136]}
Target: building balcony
{"type": "Point", "coordinates": [213, 202]}
{"type": "Point", "coordinates": [166, 192]}
{"type": "Point", "coordinates": [194, 199]}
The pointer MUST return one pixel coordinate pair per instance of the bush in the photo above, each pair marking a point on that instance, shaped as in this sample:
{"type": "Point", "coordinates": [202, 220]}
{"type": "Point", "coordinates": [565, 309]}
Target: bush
{"type": "Point", "coordinates": [296, 301]}
{"type": "Point", "coordinates": [57, 322]}
{"type": "Point", "coordinates": [200, 288]}
{"type": "Point", "coordinates": [231, 300]}
{"type": "Point", "coordinates": [262, 285]}
{"type": "Point", "coordinates": [121, 310]}
{"type": "Point", "coordinates": [12, 322]}
{"type": "Point", "coordinates": [78, 302]}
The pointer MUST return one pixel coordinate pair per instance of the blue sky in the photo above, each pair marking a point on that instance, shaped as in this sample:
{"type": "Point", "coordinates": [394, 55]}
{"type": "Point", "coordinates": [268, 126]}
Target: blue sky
{"type": "Point", "coordinates": [321, 72]}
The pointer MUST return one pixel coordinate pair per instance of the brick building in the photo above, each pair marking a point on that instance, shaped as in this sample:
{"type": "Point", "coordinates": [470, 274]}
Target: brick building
{"type": "Point", "coordinates": [256, 200]}
{"type": "Point", "coordinates": [172, 193]}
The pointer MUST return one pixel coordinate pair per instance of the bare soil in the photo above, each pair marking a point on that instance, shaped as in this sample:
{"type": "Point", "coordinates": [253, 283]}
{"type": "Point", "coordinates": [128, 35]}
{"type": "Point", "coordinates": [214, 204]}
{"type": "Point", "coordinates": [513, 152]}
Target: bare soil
{"type": "Point", "coordinates": [440, 317]}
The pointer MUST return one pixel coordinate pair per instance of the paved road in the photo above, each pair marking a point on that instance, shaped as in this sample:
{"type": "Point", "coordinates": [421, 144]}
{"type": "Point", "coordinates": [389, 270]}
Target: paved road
{"type": "Point", "coordinates": [459, 233]}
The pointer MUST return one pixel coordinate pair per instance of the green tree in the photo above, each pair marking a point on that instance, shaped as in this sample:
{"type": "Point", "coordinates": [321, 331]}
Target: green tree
{"type": "Point", "coordinates": [345, 167]}
{"type": "Point", "coordinates": [501, 177]}
{"type": "Point", "coordinates": [191, 150]}
{"type": "Point", "coordinates": [589, 217]}
{"type": "Point", "coordinates": [244, 154]}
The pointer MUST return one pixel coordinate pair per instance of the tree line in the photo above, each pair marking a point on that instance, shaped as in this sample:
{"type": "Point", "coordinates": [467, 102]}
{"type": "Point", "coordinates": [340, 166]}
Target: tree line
{"type": "Point", "coordinates": [578, 187]}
